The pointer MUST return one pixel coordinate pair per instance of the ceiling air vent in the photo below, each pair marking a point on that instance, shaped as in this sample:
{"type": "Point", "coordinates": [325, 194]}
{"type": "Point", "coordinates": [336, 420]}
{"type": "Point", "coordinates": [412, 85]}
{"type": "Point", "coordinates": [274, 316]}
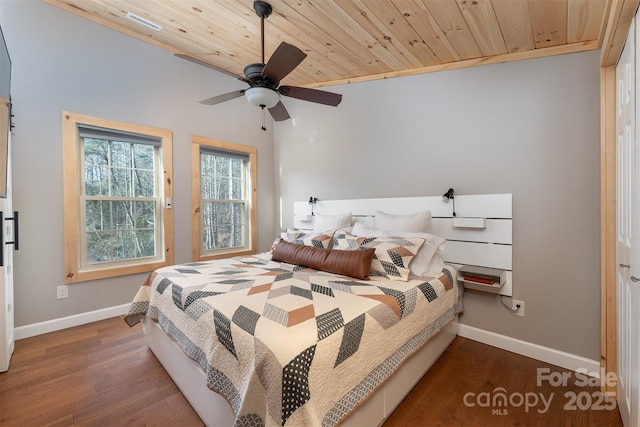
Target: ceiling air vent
{"type": "Point", "coordinates": [143, 21]}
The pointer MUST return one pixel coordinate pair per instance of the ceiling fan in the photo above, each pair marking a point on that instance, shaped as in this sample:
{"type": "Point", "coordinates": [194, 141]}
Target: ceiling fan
{"type": "Point", "coordinates": [264, 78]}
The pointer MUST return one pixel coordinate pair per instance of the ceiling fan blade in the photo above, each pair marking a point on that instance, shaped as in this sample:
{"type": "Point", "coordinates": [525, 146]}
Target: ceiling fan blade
{"type": "Point", "coordinates": [204, 64]}
{"type": "Point", "coordinates": [222, 98]}
{"type": "Point", "coordinates": [285, 58]}
{"type": "Point", "coordinates": [313, 95]}
{"type": "Point", "coordinates": [279, 113]}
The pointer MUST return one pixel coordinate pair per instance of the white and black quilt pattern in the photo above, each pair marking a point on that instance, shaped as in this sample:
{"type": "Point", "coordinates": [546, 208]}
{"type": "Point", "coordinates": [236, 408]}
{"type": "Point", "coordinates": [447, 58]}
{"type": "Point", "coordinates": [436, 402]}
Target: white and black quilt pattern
{"type": "Point", "coordinates": [286, 345]}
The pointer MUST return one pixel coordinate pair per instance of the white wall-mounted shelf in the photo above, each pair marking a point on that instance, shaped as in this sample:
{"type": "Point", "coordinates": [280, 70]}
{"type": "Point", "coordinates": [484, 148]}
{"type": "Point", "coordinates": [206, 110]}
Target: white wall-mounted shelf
{"type": "Point", "coordinates": [483, 278]}
{"type": "Point", "coordinates": [480, 223]}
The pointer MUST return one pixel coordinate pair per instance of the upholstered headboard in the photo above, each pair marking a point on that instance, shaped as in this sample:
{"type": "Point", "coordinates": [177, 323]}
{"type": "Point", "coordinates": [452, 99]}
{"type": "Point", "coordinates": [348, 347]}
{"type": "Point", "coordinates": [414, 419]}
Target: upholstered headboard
{"type": "Point", "coordinates": [479, 235]}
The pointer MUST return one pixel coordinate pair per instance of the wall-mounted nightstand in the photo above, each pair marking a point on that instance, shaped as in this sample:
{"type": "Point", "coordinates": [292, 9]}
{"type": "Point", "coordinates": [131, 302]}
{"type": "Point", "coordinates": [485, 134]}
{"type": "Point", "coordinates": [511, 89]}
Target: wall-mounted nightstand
{"type": "Point", "coordinates": [482, 278]}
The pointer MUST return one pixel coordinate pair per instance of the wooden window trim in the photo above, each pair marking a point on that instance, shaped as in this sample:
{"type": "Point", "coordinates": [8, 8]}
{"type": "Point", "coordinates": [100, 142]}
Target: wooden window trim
{"type": "Point", "coordinates": [196, 142]}
{"type": "Point", "coordinates": [71, 177]}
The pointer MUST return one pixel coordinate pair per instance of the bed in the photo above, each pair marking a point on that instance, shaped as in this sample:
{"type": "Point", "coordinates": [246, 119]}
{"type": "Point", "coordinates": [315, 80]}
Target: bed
{"type": "Point", "coordinates": [278, 339]}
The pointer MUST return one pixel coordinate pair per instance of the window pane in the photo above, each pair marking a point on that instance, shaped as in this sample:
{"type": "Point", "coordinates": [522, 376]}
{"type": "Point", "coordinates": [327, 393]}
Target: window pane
{"type": "Point", "coordinates": [206, 165]}
{"type": "Point", "coordinates": [237, 236]}
{"type": "Point", "coordinates": [221, 188]}
{"type": "Point", "coordinates": [222, 166]}
{"type": "Point", "coordinates": [221, 213]}
{"type": "Point", "coordinates": [96, 151]}
{"type": "Point", "coordinates": [121, 182]}
{"type": "Point", "coordinates": [143, 156]}
{"type": "Point", "coordinates": [96, 181]}
{"type": "Point", "coordinates": [122, 215]}
{"type": "Point", "coordinates": [223, 236]}
{"type": "Point", "coordinates": [98, 247]}
{"type": "Point", "coordinates": [207, 187]}
{"type": "Point", "coordinates": [145, 215]}
{"type": "Point", "coordinates": [208, 231]}
{"type": "Point", "coordinates": [98, 216]}
{"type": "Point", "coordinates": [238, 213]}
{"type": "Point", "coordinates": [221, 177]}
{"type": "Point", "coordinates": [223, 225]}
{"type": "Point", "coordinates": [124, 246]}
{"type": "Point", "coordinates": [146, 243]}
{"type": "Point", "coordinates": [236, 191]}
{"type": "Point", "coordinates": [121, 154]}
{"type": "Point", "coordinates": [125, 242]}
{"type": "Point", "coordinates": [237, 168]}
{"type": "Point", "coordinates": [143, 183]}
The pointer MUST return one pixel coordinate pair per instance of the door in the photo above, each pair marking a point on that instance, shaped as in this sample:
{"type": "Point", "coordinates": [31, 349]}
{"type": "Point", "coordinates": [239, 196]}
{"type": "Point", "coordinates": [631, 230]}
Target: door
{"type": "Point", "coordinates": [8, 225]}
{"type": "Point", "coordinates": [631, 288]}
{"type": "Point", "coordinates": [627, 232]}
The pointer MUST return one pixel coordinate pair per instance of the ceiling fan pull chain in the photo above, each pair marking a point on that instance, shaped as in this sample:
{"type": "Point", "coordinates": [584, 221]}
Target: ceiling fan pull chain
{"type": "Point", "coordinates": [263, 128]}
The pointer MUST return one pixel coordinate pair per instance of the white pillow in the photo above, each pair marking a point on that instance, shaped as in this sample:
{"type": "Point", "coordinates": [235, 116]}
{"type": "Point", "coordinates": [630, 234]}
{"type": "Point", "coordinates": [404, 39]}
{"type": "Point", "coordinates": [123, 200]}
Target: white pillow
{"type": "Point", "coordinates": [363, 230]}
{"type": "Point", "coordinates": [331, 222]}
{"type": "Point", "coordinates": [429, 261]}
{"type": "Point", "coordinates": [417, 222]}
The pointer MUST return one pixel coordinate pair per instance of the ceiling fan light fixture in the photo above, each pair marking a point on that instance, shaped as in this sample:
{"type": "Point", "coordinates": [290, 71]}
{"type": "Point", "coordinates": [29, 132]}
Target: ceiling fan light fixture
{"type": "Point", "coordinates": [262, 97]}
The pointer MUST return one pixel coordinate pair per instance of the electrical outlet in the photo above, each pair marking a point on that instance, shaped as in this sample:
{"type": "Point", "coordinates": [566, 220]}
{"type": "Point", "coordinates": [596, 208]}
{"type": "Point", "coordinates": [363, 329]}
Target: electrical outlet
{"type": "Point", "coordinates": [519, 311]}
{"type": "Point", "coordinates": [63, 291]}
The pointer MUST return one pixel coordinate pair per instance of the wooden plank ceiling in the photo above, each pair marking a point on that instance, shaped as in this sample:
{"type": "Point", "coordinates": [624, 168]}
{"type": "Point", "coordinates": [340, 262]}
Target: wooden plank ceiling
{"type": "Point", "coordinates": [357, 40]}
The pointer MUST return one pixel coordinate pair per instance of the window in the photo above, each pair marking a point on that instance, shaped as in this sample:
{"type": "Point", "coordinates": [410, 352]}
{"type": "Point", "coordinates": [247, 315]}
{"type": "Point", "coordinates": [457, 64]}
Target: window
{"type": "Point", "coordinates": [224, 199]}
{"type": "Point", "coordinates": [117, 177]}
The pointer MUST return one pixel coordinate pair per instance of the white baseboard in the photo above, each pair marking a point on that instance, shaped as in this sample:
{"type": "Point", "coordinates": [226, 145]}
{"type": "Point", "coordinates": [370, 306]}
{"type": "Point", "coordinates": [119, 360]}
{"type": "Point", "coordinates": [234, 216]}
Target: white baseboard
{"type": "Point", "coordinates": [67, 322]}
{"type": "Point", "coordinates": [535, 351]}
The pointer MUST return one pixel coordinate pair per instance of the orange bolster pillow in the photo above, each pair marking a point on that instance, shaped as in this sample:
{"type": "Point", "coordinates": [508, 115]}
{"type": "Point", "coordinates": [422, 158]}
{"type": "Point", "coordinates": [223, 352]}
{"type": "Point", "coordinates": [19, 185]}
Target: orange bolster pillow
{"type": "Point", "coordinates": [349, 263]}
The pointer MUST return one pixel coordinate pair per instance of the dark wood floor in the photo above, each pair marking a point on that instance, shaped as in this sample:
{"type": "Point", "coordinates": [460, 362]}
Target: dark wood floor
{"type": "Point", "coordinates": [102, 374]}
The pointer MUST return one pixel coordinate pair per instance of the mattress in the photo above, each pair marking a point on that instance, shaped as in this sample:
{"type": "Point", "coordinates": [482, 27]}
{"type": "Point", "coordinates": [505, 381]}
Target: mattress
{"type": "Point", "coordinates": [287, 345]}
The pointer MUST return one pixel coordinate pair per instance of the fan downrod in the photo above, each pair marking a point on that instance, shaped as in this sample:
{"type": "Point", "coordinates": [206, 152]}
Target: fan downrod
{"type": "Point", "coordinates": [262, 8]}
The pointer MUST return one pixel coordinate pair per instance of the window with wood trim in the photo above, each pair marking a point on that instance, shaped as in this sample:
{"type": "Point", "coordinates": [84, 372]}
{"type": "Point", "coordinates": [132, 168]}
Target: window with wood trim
{"type": "Point", "coordinates": [117, 192]}
{"type": "Point", "coordinates": [223, 198]}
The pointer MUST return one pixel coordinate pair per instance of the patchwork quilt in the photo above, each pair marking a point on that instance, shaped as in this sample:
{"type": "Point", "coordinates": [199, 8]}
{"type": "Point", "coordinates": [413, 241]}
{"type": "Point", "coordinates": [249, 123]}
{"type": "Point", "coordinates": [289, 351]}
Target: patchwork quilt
{"type": "Point", "coordinates": [290, 346]}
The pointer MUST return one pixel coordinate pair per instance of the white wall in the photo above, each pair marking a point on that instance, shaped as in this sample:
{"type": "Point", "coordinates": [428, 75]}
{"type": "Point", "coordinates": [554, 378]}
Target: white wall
{"type": "Point", "coordinates": [63, 62]}
{"type": "Point", "coordinates": [530, 128]}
